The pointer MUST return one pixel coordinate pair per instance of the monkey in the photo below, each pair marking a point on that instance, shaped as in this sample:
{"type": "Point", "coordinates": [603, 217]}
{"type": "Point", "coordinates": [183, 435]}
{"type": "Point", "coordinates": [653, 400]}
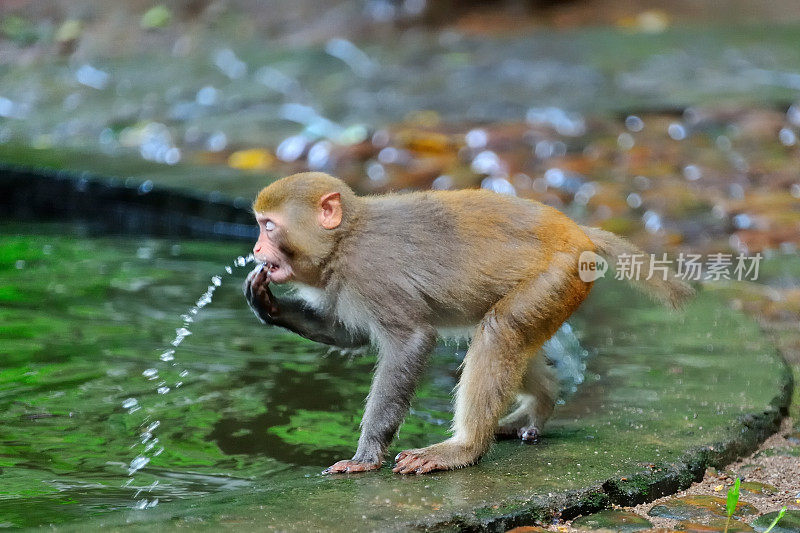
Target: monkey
{"type": "Point", "coordinates": [391, 271]}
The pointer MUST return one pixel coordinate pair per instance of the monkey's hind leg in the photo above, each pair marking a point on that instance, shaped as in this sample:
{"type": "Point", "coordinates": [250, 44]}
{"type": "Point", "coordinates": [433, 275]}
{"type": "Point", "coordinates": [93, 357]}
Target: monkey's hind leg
{"type": "Point", "coordinates": [516, 326]}
{"type": "Point", "coordinates": [535, 402]}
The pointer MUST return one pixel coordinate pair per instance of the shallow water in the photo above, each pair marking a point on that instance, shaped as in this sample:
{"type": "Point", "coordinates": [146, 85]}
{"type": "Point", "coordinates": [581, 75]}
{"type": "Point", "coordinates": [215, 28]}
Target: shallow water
{"type": "Point", "coordinates": [91, 391]}
{"type": "Point", "coordinates": [260, 411]}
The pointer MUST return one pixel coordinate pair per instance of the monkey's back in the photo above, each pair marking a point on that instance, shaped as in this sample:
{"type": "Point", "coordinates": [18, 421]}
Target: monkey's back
{"type": "Point", "coordinates": [450, 246]}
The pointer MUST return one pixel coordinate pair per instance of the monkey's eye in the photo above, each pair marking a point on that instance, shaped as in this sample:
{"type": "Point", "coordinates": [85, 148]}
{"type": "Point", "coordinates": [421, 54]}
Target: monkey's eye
{"type": "Point", "coordinates": [269, 225]}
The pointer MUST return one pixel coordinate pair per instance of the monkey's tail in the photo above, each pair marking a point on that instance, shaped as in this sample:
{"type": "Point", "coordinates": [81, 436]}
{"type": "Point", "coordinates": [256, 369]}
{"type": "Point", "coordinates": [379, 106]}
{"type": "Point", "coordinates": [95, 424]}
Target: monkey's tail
{"type": "Point", "coordinates": [671, 291]}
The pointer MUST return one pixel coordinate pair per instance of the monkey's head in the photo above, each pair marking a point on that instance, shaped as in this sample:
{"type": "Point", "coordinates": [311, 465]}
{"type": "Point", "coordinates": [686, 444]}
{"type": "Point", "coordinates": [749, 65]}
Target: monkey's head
{"type": "Point", "coordinates": [300, 219]}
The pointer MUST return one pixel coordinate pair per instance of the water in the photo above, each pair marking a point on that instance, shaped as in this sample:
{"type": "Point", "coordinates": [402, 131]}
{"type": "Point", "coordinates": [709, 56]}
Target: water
{"type": "Point", "coordinates": [148, 442]}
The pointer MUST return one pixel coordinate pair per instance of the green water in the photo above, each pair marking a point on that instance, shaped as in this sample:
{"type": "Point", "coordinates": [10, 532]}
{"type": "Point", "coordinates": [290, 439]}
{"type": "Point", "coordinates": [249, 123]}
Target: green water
{"type": "Point", "coordinates": [82, 318]}
{"type": "Point", "coordinates": [261, 411]}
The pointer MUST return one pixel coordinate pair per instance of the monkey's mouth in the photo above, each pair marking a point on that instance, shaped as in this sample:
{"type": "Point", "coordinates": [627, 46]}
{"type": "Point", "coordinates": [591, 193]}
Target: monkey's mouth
{"type": "Point", "coordinates": [277, 272]}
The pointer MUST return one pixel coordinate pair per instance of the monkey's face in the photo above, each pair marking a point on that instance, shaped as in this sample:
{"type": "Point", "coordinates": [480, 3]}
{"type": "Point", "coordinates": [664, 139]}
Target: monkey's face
{"type": "Point", "coordinates": [270, 249]}
{"type": "Point", "coordinates": [296, 235]}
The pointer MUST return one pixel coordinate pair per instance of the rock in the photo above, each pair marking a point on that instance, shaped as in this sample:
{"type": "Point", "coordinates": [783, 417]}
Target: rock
{"type": "Point", "coordinates": [790, 523]}
{"type": "Point", "coordinates": [717, 524]}
{"type": "Point", "coordinates": [613, 520]}
{"type": "Point", "coordinates": [528, 529]}
{"type": "Point", "coordinates": [698, 507]}
{"type": "Point", "coordinates": [755, 487]}
{"type": "Point", "coordinates": [794, 437]}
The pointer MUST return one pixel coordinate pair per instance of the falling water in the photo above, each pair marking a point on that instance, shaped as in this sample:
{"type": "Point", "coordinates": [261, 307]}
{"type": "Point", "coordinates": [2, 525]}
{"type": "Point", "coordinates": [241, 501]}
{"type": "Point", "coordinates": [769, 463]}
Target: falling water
{"type": "Point", "coordinates": [148, 444]}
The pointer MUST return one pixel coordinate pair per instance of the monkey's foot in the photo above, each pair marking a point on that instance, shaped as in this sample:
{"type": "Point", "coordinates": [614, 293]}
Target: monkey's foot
{"type": "Point", "coordinates": [349, 466]}
{"type": "Point", "coordinates": [528, 434]}
{"type": "Point", "coordinates": [443, 456]}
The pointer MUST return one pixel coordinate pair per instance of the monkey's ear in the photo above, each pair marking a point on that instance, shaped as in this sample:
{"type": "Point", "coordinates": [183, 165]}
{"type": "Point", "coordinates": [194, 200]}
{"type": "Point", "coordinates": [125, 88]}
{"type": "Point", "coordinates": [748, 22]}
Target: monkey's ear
{"type": "Point", "coordinates": [330, 213]}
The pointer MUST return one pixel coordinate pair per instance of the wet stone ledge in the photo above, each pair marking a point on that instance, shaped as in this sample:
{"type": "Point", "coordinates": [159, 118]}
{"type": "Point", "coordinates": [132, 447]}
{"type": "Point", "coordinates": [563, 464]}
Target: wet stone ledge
{"type": "Point", "coordinates": [672, 395]}
{"type": "Point", "coordinates": [116, 206]}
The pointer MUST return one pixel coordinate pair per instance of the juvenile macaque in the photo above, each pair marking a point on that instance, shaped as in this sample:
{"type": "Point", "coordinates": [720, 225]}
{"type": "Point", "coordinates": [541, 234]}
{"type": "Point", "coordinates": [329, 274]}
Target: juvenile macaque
{"type": "Point", "coordinates": [392, 270]}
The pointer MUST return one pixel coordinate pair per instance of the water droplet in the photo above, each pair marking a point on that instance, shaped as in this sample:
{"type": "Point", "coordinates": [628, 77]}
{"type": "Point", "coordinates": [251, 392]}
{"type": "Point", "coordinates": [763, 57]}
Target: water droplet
{"type": "Point", "coordinates": [130, 402]}
{"type": "Point", "coordinates": [723, 143]}
{"type": "Point", "coordinates": [498, 185]}
{"type": "Point", "coordinates": [144, 252]}
{"type": "Point", "coordinates": [229, 64]}
{"type": "Point", "coordinates": [692, 172]}
{"type": "Point", "coordinates": [742, 221]}
{"type": "Point", "coordinates": [652, 222]}
{"type": "Point", "coordinates": [676, 131]}
{"type": "Point", "coordinates": [487, 162]}
{"type": "Point", "coordinates": [787, 137]}
{"type": "Point", "coordinates": [92, 77]}
{"type": "Point", "coordinates": [634, 123]}
{"type": "Point", "coordinates": [216, 142]}
{"type": "Point", "coordinates": [184, 373]}
{"type": "Point", "coordinates": [150, 373]}
{"type": "Point", "coordinates": [634, 200]}
{"type": "Point", "coordinates": [229, 270]}
{"type": "Point", "coordinates": [291, 148]}
{"type": "Point", "coordinates": [351, 55]}
{"type": "Point", "coordinates": [206, 96]}
{"type": "Point", "coordinates": [442, 183]}
{"type": "Point", "coordinates": [172, 156]}
{"type": "Point", "coordinates": [554, 177]}
{"type": "Point", "coordinates": [625, 141]}
{"type": "Point", "coordinates": [793, 114]}
{"type": "Point", "coordinates": [146, 187]}
{"type": "Point", "coordinates": [169, 355]}
{"type": "Point", "coordinates": [138, 463]}
{"type": "Point", "coordinates": [152, 427]}
{"type": "Point", "coordinates": [163, 390]}
{"type": "Point", "coordinates": [240, 261]}
{"type": "Point", "coordinates": [477, 138]}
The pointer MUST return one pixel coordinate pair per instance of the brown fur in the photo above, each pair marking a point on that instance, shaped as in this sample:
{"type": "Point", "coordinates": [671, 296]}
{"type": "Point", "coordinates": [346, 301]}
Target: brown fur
{"type": "Point", "coordinates": [400, 266]}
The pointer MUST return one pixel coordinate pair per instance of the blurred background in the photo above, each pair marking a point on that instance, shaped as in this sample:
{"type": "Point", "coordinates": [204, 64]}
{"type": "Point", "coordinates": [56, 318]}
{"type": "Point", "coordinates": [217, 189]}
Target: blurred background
{"type": "Point", "coordinates": [673, 123]}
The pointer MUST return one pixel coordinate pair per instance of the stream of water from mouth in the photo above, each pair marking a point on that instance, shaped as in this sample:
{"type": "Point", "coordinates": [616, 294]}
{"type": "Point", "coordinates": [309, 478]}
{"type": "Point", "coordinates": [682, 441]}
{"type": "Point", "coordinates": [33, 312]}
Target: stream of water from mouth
{"type": "Point", "coordinates": [147, 443]}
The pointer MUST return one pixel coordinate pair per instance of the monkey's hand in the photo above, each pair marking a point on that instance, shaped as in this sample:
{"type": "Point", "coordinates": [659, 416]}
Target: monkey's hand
{"type": "Point", "coordinates": [295, 315]}
{"type": "Point", "coordinates": [258, 296]}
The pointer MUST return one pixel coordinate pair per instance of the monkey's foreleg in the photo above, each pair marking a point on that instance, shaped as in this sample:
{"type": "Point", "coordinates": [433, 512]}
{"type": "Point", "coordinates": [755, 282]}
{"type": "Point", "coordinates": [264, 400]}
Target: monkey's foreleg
{"type": "Point", "coordinates": [515, 327]}
{"type": "Point", "coordinates": [295, 315]}
{"type": "Point", "coordinates": [401, 360]}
